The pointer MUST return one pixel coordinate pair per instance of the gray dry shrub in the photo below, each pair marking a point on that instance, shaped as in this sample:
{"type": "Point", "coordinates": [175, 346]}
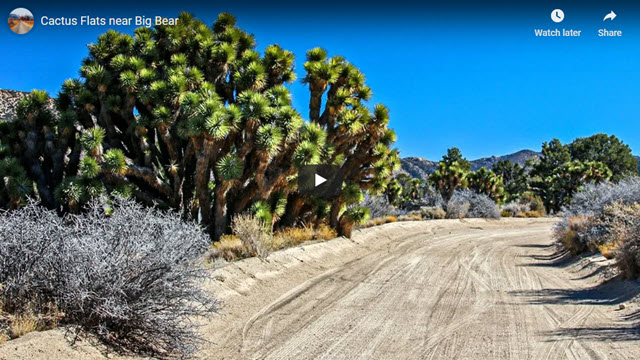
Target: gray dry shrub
{"type": "Point", "coordinates": [516, 207]}
{"type": "Point", "coordinates": [593, 198]}
{"type": "Point", "coordinates": [430, 198]}
{"type": "Point", "coordinates": [478, 206]}
{"type": "Point", "coordinates": [591, 202]}
{"type": "Point", "coordinates": [254, 234]}
{"type": "Point", "coordinates": [127, 274]}
{"type": "Point", "coordinates": [378, 205]}
{"type": "Point", "coordinates": [457, 209]}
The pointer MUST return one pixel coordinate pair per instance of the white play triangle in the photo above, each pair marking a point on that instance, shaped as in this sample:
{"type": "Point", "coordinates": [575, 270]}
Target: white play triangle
{"type": "Point", "coordinates": [319, 180]}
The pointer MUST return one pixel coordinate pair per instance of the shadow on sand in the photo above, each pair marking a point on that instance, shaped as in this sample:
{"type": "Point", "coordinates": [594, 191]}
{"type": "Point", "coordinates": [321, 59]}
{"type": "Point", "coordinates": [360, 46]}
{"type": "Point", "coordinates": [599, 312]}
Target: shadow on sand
{"type": "Point", "coordinates": [606, 293]}
{"type": "Point", "coordinates": [610, 293]}
{"type": "Point", "coordinates": [621, 333]}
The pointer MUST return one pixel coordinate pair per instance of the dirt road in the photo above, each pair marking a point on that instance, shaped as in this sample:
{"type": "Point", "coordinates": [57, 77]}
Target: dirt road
{"type": "Point", "coordinates": [438, 290]}
{"type": "Point", "coordinates": [445, 289]}
{"type": "Point", "coordinates": [22, 28]}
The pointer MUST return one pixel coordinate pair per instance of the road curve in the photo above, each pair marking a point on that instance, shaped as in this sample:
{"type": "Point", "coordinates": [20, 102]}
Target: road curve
{"type": "Point", "coordinates": [441, 290]}
{"type": "Point", "coordinates": [444, 289]}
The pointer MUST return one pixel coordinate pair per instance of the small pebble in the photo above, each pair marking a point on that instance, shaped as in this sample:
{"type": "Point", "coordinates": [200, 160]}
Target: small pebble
{"type": "Point", "coordinates": [622, 306]}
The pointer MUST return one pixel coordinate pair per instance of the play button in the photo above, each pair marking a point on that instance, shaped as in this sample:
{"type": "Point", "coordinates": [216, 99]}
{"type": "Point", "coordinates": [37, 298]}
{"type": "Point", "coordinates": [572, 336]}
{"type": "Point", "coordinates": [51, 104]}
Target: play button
{"type": "Point", "coordinates": [320, 180]}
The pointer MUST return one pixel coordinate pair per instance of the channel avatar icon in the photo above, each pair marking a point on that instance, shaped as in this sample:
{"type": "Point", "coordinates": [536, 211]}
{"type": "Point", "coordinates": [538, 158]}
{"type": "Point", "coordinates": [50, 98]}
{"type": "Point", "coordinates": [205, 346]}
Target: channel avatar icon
{"type": "Point", "coordinates": [21, 21]}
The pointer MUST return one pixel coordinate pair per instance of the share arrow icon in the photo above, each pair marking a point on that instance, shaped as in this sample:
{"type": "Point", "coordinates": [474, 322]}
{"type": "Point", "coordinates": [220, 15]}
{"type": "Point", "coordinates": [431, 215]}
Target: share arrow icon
{"type": "Point", "coordinates": [610, 16]}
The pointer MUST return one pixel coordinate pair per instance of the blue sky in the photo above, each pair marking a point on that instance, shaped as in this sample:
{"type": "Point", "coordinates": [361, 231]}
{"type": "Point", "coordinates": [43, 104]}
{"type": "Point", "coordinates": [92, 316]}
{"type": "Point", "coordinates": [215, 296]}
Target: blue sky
{"type": "Point", "coordinates": [460, 75]}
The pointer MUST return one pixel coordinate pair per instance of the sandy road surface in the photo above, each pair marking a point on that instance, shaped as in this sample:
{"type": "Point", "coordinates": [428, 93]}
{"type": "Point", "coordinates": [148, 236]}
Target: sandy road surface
{"type": "Point", "coordinates": [21, 28]}
{"type": "Point", "coordinates": [423, 290]}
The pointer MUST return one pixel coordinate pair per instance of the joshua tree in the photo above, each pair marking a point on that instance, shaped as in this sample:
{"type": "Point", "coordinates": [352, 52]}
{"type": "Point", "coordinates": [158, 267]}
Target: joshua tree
{"type": "Point", "coordinates": [393, 192]}
{"type": "Point", "coordinates": [568, 178]}
{"type": "Point", "coordinates": [455, 155]}
{"type": "Point", "coordinates": [487, 182]}
{"type": "Point", "coordinates": [448, 178]}
{"type": "Point", "coordinates": [514, 176]}
{"type": "Point", "coordinates": [358, 138]}
{"type": "Point", "coordinates": [193, 118]}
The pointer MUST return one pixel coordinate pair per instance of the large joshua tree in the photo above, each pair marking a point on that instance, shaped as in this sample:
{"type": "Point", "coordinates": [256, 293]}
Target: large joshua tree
{"type": "Point", "coordinates": [193, 118]}
{"type": "Point", "coordinates": [358, 138]}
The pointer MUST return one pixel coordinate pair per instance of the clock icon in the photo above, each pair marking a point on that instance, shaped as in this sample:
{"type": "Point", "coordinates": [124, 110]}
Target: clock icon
{"type": "Point", "coordinates": [557, 15]}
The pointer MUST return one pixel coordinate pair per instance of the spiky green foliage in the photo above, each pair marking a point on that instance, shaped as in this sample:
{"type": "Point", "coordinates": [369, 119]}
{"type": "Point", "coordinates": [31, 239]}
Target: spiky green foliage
{"type": "Point", "coordinates": [488, 183]}
{"type": "Point", "coordinates": [15, 185]}
{"type": "Point", "coordinates": [455, 155]}
{"type": "Point", "coordinates": [357, 135]}
{"type": "Point", "coordinates": [570, 177]}
{"type": "Point", "coordinates": [563, 169]}
{"type": "Point", "coordinates": [515, 178]}
{"type": "Point", "coordinates": [449, 177]}
{"type": "Point", "coordinates": [194, 118]}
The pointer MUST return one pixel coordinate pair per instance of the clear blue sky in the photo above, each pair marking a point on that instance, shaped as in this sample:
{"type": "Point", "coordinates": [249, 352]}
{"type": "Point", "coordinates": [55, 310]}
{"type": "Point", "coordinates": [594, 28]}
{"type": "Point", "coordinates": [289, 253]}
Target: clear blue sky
{"type": "Point", "coordinates": [460, 75]}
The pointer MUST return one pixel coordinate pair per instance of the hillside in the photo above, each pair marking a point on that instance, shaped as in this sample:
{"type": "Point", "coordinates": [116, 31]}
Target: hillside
{"type": "Point", "coordinates": [421, 168]}
{"type": "Point", "coordinates": [8, 101]}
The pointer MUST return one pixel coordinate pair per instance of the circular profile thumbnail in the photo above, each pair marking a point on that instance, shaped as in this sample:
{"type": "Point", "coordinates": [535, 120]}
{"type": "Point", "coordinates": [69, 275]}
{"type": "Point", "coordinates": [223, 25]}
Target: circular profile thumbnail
{"type": "Point", "coordinates": [21, 21]}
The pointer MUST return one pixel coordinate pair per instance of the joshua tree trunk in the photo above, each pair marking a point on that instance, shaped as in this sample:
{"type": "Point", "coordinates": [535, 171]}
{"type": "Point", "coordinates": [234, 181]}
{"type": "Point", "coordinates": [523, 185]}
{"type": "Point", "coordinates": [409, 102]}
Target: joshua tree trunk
{"type": "Point", "coordinates": [294, 207]}
{"type": "Point", "coordinates": [315, 102]}
{"type": "Point", "coordinates": [221, 220]}
{"type": "Point", "coordinates": [203, 175]}
{"type": "Point", "coordinates": [335, 212]}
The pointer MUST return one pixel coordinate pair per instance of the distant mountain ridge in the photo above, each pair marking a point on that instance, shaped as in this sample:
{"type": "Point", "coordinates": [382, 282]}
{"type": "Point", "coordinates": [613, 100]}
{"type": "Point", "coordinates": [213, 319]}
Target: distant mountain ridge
{"type": "Point", "coordinates": [9, 99]}
{"type": "Point", "coordinates": [421, 168]}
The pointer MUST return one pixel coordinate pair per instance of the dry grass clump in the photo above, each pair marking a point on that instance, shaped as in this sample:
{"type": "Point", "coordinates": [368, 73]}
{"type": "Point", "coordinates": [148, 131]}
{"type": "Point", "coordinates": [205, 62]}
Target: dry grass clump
{"type": "Point", "coordinates": [433, 212]}
{"type": "Point", "coordinates": [609, 250]}
{"type": "Point", "coordinates": [572, 234]}
{"type": "Point", "coordinates": [13, 326]}
{"type": "Point", "coordinates": [325, 232]}
{"type": "Point", "coordinates": [253, 234]}
{"type": "Point", "coordinates": [527, 214]}
{"type": "Point", "coordinates": [295, 236]}
{"type": "Point", "coordinates": [375, 222]}
{"type": "Point", "coordinates": [535, 214]}
{"type": "Point", "coordinates": [414, 216]}
{"type": "Point", "coordinates": [229, 248]}
{"type": "Point", "coordinates": [627, 255]}
{"type": "Point", "coordinates": [259, 240]}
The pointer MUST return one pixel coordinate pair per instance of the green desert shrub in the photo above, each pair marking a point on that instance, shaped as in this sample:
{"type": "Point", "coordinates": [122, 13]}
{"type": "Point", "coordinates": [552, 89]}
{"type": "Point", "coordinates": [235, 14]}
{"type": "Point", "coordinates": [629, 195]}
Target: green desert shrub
{"type": "Point", "coordinates": [127, 274]}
